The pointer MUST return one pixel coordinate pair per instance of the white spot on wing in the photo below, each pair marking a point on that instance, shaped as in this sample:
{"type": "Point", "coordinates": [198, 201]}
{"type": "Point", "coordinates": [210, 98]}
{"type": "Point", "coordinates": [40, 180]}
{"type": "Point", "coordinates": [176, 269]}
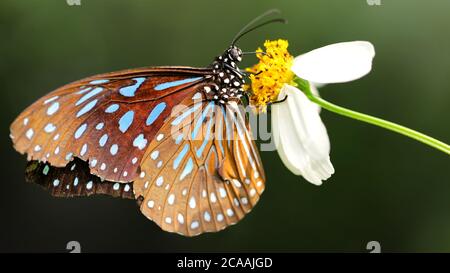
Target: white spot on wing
{"type": "Point", "coordinates": [140, 142]}
{"type": "Point", "coordinates": [192, 203]}
{"type": "Point", "coordinates": [194, 225]}
{"type": "Point", "coordinates": [180, 218]}
{"type": "Point", "coordinates": [171, 199]}
{"type": "Point", "coordinates": [114, 149]}
{"type": "Point", "coordinates": [30, 133]}
{"type": "Point", "coordinates": [50, 128]}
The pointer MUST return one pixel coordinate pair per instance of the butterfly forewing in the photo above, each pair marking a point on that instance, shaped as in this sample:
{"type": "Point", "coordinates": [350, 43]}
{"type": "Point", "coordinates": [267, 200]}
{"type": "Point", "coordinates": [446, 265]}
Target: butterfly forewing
{"type": "Point", "coordinates": [107, 120]}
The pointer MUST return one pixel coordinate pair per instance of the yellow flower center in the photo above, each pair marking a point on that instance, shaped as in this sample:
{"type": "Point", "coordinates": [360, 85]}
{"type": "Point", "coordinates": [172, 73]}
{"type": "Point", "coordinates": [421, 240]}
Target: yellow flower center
{"type": "Point", "coordinates": [270, 74]}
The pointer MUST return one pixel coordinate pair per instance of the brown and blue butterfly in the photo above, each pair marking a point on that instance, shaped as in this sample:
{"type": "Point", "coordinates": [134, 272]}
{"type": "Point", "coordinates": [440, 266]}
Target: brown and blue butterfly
{"type": "Point", "coordinates": [194, 171]}
{"type": "Point", "coordinates": [176, 139]}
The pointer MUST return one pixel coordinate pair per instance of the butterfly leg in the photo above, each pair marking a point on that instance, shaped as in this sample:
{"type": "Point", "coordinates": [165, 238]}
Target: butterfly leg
{"type": "Point", "coordinates": [240, 73]}
{"type": "Point", "coordinates": [247, 74]}
{"type": "Point", "coordinates": [256, 74]}
{"type": "Point", "coordinates": [247, 97]}
{"type": "Point", "coordinates": [237, 72]}
{"type": "Point", "coordinates": [269, 110]}
{"type": "Point", "coordinates": [278, 101]}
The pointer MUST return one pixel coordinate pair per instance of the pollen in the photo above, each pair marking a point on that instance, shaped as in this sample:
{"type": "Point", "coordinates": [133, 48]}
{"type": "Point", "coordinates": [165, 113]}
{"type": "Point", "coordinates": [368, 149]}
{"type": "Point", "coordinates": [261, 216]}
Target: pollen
{"type": "Point", "coordinates": [270, 74]}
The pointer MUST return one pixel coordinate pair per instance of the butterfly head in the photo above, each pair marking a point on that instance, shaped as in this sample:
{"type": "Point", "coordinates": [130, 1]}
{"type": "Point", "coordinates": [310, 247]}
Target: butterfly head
{"type": "Point", "coordinates": [228, 78]}
{"type": "Point", "coordinates": [230, 57]}
{"type": "Point", "coordinates": [235, 53]}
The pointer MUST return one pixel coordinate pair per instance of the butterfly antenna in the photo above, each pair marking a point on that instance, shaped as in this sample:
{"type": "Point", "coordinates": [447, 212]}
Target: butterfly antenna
{"type": "Point", "coordinates": [278, 20]}
{"type": "Point", "coordinates": [246, 29]}
{"type": "Point", "coordinates": [254, 52]}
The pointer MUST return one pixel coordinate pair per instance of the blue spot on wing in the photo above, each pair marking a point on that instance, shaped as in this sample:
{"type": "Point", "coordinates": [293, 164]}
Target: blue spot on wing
{"type": "Point", "coordinates": [89, 95]}
{"type": "Point", "coordinates": [181, 117]}
{"type": "Point", "coordinates": [227, 125]}
{"type": "Point", "coordinates": [166, 85]}
{"type": "Point", "coordinates": [201, 119]}
{"type": "Point", "coordinates": [80, 131]}
{"type": "Point", "coordinates": [99, 81]}
{"type": "Point", "coordinates": [126, 121]}
{"type": "Point", "coordinates": [84, 90]}
{"type": "Point", "coordinates": [103, 140]}
{"type": "Point", "coordinates": [179, 139]}
{"type": "Point", "coordinates": [242, 132]}
{"type": "Point", "coordinates": [112, 108]}
{"type": "Point", "coordinates": [187, 169]}
{"type": "Point", "coordinates": [180, 156]}
{"type": "Point", "coordinates": [154, 114]}
{"type": "Point", "coordinates": [88, 107]}
{"type": "Point", "coordinates": [206, 139]}
{"type": "Point", "coordinates": [220, 138]}
{"type": "Point", "coordinates": [140, 142]}
{"type": "Point", "coordinates": [128, 91]}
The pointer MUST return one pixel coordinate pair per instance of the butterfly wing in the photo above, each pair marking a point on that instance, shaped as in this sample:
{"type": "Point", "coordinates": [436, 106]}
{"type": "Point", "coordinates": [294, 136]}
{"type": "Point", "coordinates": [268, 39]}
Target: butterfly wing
{"type": "Point", "coordinates": [122, 124]}
{"type": "Point", "coordinates": [106, 120]}
{"type": "Point", "coordinates": [204, 174]}
{"type": "Point", "coordinates": [74, 180]}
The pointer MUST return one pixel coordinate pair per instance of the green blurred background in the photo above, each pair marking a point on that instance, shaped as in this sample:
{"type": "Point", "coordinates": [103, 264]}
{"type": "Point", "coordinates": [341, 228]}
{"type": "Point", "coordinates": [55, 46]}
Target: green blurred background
{"type": "Point", "coordinates": [386, 187]}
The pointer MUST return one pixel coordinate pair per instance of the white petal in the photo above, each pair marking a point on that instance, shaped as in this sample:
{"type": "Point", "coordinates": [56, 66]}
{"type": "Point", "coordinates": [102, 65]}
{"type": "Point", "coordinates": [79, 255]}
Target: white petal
{"type": "Point", "coordinates": [301, 137]}
{"type": "Point", "coordinates": [342, 62]}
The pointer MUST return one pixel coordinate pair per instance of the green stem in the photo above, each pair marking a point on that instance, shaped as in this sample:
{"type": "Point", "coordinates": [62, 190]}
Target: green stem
{"type": "Point", "coordinates": [304, 86]}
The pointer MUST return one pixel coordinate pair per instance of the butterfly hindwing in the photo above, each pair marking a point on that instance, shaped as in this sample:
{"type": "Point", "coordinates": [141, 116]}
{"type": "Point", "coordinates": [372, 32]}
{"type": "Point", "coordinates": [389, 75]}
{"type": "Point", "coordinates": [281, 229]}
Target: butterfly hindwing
{"type": "Point", "coordinates": [106, 120]}
{"type": "Point", "coordinates": [74, 180]}
{"type": "Point", "coordinates": [204, 174]}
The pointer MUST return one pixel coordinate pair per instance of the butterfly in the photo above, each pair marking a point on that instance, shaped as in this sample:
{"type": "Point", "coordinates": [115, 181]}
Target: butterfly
{"type": "Point", "coordinates": [174, 138]}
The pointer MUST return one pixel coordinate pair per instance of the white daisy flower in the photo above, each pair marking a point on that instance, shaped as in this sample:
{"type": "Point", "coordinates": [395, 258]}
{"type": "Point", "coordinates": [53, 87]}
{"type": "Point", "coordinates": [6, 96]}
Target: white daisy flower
{"type": "Point", "coordinates": [300, 136]}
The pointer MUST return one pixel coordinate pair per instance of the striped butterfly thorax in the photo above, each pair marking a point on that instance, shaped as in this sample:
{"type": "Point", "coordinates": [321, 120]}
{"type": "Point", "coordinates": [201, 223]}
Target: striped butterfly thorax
{"type": "Point", "coordinates": [177, 133]}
